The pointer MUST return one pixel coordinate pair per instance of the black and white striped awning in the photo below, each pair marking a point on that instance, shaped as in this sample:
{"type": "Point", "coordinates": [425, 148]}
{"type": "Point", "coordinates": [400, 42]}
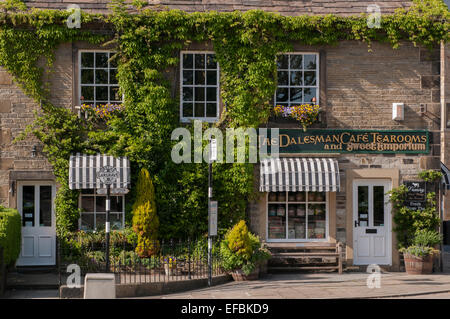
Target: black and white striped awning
{"type": "Point", "coordinates": [83, 170]}
{"type": "Point", "coordinates": [299, 174]}
{"type": "Point", "coordinates": [445, 176]}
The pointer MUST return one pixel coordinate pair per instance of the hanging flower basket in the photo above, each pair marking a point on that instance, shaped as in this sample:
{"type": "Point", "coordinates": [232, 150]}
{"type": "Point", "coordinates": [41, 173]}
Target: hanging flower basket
{"type": "Point", "coordinates": [306, 114]}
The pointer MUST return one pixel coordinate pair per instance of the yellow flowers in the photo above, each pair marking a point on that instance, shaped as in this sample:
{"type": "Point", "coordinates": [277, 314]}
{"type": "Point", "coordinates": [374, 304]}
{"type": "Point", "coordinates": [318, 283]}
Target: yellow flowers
{"type": "Point", "coordinates": [103, 111]}
{"type": "Point", "coordinates": [306, 114]}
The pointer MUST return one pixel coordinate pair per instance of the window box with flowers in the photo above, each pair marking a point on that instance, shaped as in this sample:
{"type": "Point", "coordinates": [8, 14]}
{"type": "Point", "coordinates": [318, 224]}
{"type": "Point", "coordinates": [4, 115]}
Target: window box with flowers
{"type": "Point", "coordinates": [100, 114]}
{"type": "Point", "coordinates": [305, 114]}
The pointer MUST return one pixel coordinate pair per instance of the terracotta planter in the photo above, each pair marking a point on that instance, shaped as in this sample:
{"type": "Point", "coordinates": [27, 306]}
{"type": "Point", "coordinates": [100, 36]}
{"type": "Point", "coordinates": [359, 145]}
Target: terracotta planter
{"type": "Point", "coordinates": [238, 275]}
{"type": "Point", "coordinates": [418, 265]}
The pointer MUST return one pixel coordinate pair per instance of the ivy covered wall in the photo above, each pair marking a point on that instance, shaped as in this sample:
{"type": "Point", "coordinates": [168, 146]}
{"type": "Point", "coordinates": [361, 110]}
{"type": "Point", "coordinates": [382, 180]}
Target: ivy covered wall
{"type": "Point", "coordinates": [147, 43]}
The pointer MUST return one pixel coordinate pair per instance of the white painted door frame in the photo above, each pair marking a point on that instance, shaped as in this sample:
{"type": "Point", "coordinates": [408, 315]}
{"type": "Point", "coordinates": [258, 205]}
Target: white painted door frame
{"type": "Point", "coordinates": [38, 241]}
{"type": "Point", "coordinates": [372, 244]}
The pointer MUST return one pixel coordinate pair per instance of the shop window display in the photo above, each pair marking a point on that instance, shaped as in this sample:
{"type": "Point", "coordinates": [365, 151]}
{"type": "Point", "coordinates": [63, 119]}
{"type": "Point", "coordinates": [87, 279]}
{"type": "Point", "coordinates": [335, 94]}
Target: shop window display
{"type": "Point", "coordinates": [296, 215]}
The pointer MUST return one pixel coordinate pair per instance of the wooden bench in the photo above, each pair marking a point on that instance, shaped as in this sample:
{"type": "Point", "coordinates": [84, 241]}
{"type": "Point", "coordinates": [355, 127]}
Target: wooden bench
{"type": "Point", "coordinates": [308, 252]}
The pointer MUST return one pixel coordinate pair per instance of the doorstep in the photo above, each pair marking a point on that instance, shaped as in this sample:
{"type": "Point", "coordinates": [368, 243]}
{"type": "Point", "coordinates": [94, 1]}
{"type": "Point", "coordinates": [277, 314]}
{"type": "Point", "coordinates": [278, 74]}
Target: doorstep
{"type": "Point", "coordinates": [32, 280]}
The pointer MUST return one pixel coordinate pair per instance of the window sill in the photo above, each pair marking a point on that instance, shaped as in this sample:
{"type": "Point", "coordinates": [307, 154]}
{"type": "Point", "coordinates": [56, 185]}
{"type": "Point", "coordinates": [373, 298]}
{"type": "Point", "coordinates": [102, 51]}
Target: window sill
{"type": "Point", "coordinates": [203, 119]}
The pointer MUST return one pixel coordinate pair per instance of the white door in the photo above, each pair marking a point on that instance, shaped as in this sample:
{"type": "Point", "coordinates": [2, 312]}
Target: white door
{"type": "Point", "coordinates": [35, 203]}
{"type": "Point", "coordinates": [372, 223]}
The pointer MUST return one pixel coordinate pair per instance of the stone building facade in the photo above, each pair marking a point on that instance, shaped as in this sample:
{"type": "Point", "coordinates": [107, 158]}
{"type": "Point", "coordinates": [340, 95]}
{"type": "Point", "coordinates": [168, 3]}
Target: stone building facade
{"type": "Point", "coordinates": [357, 89]}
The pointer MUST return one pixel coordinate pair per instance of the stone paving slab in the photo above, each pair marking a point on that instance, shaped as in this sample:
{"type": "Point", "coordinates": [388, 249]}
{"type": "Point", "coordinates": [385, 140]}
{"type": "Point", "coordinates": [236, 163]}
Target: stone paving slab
{"type": "Point", "coordinates": [322, 286]}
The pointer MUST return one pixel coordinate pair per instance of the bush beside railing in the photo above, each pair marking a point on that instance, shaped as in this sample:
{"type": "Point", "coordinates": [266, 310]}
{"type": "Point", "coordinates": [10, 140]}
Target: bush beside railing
{"type": "Point", "coordinates": [2, 273]}
{"type": "Point", "coordinates": [10, 235]}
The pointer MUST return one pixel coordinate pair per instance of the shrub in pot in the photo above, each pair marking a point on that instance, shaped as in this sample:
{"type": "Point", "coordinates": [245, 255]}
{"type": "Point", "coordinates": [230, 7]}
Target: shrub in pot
{"type": "Point", "coordinates": [419, 256]}
{"type": "Point", "coordinates": [242, 253]}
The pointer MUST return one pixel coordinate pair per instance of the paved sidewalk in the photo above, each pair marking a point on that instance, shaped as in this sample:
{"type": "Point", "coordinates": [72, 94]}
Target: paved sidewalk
{"type": "Point", "coordinates": [322, 286]}
{"type": "Point", "coordinates": [303, 286]}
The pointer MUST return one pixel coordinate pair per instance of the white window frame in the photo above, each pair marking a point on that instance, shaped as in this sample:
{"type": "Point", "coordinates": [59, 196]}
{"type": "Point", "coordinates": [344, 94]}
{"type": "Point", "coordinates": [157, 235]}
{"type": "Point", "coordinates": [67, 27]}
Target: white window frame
{"type": "Point", "coordinates": [94, 85]}
{"type": "Point", "coordinates": [317, 86]}
{"type": "Point", "coordinates": [217, 86]}
{"type": "Point", "coordinates": [306, 202]}
{"type": "Point", "coordinates": [95, 209]}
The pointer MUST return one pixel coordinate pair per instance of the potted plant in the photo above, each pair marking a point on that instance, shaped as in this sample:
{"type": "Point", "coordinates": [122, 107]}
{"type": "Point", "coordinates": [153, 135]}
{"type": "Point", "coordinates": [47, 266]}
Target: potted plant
{"type": "Point", "coordinates": [170, 265]}
{"type": "Point", "coordinates": [242, 253]}
{"type": "Point", "coordinates": [419, 256]}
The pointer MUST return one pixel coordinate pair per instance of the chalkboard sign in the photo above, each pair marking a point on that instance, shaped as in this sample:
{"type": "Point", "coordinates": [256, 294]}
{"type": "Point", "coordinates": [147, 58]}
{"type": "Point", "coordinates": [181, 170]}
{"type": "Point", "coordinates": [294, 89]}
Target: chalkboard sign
{"type": "Point", "coordinates": [416, 196]}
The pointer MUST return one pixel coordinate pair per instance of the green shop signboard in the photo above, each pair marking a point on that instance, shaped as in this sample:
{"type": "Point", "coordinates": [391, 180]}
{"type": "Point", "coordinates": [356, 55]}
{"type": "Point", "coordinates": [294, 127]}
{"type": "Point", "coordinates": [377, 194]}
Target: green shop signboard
{"type": "Point", "coordinates": [346, 141]}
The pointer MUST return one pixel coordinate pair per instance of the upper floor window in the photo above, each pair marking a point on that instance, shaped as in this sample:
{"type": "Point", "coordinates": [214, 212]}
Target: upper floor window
{"type": "Point", "coordinates": [199, 86]}
{"type": "Point", "coordinates": [98, 78]}
{"type": "Point", "coordinates": [298, 79]}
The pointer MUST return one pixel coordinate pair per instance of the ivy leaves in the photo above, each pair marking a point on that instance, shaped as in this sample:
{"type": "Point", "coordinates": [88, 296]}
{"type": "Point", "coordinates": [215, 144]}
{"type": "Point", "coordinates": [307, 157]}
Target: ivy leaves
{"type": "Point", "coordinates": [148, 43]}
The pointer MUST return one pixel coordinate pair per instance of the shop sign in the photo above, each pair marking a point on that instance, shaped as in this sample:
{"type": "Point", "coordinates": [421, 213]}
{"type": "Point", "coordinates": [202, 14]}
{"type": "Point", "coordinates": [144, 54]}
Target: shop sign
{"type": "Point", "coordinates": [108, 174]}
{"type": "Point", "coordinates": [416, 196]}
{"type": "Point", "coordinates": [347, 141]}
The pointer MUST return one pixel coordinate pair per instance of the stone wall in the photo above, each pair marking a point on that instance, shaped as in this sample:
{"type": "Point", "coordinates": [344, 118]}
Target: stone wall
{"type": "Point", "coordinates": [17, 111]}
{"type": "Point", "coordinates": [361, 86]}
{"type": "Point", "coordinates": [360, 89]}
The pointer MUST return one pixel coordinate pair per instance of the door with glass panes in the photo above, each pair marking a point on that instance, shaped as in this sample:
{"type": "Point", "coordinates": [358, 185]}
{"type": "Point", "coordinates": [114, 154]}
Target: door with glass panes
{"type": "Point", "coordinates": [35, 203]}
{"type": "Point", "coordinates": [372, 222]}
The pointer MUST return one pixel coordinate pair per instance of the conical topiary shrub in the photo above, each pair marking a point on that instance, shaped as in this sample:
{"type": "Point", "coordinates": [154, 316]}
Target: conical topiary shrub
{"type": "Point", "coordinates": [145, 219]}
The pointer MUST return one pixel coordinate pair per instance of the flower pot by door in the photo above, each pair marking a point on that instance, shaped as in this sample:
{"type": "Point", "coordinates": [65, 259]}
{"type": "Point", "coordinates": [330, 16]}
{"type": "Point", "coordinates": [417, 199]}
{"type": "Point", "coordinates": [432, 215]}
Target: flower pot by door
{"type": "Point", "coordinates": [238, 275]}
{"type": "Point", "coordinates": [418, 265]}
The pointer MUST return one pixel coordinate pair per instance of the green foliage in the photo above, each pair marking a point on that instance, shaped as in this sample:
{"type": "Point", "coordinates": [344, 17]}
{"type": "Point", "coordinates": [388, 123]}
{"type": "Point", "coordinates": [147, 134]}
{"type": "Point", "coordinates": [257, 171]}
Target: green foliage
{"type": "Point", "coordinates": [423, 243]}
{"type": "Point", "coordinates": [430, 176]}
{"type": "Point", "coordinates": [14, 5]}
{"type": "Point", "coordinates": [426, 237]}
{"type": "Point", "coordinates": [409, 221]}
{"type": "Point", "coordinates": [419, 251]}
{"type": "Point", "coordinates": [241, 249]}
{"type": "Point", "coordinates": [145, 219]}
{"type": "Point", "coordinates": [10, 234]}
{"type": "Point", "coordinates": [147, 45]}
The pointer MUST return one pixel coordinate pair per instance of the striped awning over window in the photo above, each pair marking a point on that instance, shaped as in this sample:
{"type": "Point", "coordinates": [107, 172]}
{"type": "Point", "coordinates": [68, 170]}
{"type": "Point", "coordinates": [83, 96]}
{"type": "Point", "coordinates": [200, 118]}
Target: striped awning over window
{"type": "Point", "coordinates": [83, 171]}
{"type": "Point", "coordinates": [445, 176]}
{"type": "Point", "coordinates": [299, 174]}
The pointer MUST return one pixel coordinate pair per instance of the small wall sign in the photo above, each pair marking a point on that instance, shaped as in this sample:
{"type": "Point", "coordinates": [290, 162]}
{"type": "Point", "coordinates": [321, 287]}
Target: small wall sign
{"type": "Point", "coordinates": [212, 218]}
{"type": "Point", "coordinates": [416, 196]}
{"type": "Point", "coordinates": [108, 174]}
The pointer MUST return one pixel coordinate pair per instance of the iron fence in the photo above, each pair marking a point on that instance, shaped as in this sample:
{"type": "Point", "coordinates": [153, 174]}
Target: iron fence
{"type": "Point", "coordinates": [154, 262]}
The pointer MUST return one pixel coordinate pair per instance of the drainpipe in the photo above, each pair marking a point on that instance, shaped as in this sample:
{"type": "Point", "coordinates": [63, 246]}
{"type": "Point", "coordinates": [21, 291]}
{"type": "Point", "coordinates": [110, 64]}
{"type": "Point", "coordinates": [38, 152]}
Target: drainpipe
{"type": "Point", "coordinates": [442, 135]}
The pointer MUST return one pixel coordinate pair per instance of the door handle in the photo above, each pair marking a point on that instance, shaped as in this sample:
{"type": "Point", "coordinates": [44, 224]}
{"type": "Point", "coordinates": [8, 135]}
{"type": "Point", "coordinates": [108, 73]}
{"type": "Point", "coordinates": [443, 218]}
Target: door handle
{"type": "Point", "coordinates": [356, 223]}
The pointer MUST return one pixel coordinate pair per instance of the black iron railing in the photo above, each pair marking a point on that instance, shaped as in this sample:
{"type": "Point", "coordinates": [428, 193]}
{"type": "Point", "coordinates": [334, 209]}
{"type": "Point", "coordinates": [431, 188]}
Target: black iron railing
{"type": "Point", "coordinates": [154, 262]}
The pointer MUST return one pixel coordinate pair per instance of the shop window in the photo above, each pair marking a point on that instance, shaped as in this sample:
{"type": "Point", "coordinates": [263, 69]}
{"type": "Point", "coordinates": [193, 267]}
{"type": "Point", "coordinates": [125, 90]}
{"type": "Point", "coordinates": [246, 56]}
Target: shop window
{"type": "Point", "coordinates": [297, 216]}
{"type": "Point", "coordinates": [93, 211]}
{"type": "Point", "coordinates": [199, 94]}
{"type": "Point", "coordinates": [98, 78]}
{"type": "Point", "coordinates": [298, 79]}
